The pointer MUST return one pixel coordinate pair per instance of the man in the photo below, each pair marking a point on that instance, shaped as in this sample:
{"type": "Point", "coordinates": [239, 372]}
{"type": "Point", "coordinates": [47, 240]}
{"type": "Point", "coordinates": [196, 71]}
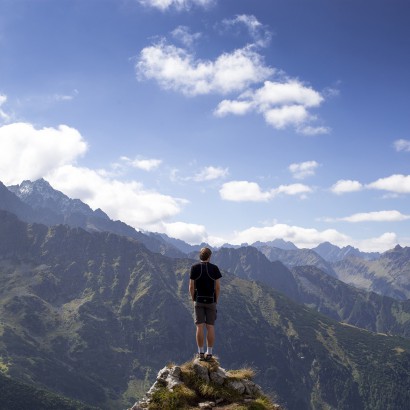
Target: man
{"type": "Point", "coordinates": [204, 288]}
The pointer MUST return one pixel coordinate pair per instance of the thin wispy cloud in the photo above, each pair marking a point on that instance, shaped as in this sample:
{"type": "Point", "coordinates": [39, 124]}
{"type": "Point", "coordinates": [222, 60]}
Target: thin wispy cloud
{"type": "Point", "coordinates": [143, 163]}
{"type": "Point", "coordinates": [3, 115]}
{"type": "Point", "coordinates": [259, 33]}
{"type": "Point", "coordinates": [375, 216]}
{"type": "Point", "coordinates": [177, 4]}
{"type": "Point", "coordinates": [311, 237]}
{"type": "Point", "coordinates": [246, 191]}
{"type": "Point", "coordinates": [210, 173]}
{"type": "Point", "coordinates": [184, 35]}
{"type": "Point", "coordinates": [303, 170]}
{"type": "Point", "coordinates": [402, 145]}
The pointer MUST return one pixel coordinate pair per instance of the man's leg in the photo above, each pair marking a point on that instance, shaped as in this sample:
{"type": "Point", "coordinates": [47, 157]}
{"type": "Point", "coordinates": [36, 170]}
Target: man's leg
{"type": "Point", "coordinates": [200, 337]}
{"type": "Point", "coordinates": [210, 337]}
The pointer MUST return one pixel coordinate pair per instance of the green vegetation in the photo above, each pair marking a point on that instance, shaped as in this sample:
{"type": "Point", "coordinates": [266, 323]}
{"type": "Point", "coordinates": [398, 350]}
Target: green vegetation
{"type": "Point", "coordinates": [94, 317]}
{"type": "Point", "coordinates": [195, 390]}
{"type": "Point", "coordinates": [16, 396]}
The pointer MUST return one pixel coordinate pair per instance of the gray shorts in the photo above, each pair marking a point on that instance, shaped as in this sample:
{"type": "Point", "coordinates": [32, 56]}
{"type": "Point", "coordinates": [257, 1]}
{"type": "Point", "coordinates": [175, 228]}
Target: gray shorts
{"type": "Point", "coordinates": [205, 313]}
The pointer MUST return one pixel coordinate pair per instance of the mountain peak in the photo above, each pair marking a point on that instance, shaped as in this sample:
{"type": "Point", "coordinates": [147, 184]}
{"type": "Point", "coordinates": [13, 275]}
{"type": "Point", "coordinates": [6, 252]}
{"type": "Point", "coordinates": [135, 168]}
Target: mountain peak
{"type": "Point", "coordinates": [204, 385]}
{"type": "Point", "coordinates": [40, 194]}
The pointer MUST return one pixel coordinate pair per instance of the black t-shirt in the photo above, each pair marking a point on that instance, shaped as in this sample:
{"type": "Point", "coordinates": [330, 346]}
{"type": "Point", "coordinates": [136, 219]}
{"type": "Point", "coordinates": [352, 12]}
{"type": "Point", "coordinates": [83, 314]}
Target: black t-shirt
{"type": "Point", "coordinates": [205, 274]}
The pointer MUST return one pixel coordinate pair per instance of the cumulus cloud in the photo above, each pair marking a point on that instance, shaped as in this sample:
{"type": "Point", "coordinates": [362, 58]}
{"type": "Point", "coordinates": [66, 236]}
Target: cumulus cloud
{"type": "Point", "coordinates": [382, 243]}
{"type": "Point", "coordinates": [402, 145]}
{"type": "Point", "coordinates": [303, 170]}
{"type": "Point", "coordinates": [190, 233]}
{"type": "Point", "coordinates": [399, 184]}
{"type": "Point", "coordinates": [176, 69]}
{"type": "Point", "coordinates": [184, 35]}
{"type": "Point", "coordinates": [376, 216]}
{"type": "Point", "coordinates": [30, 153]}
{"type": "Point", "coordinates": [245, 191]}
{"type": "Point", "coordinates": [282, 104]}
{"type": "Point", "coordinates": [51, 153]}
{"type": "Point", "coordinates": [239, 191]}
{"type": "Point", "coordinates": [177, 4]}
{"type": "Point", "coordinates": [210, 173]}
{"type": "Point", "coordinates": [128, 201]}
{"type": "Point", "coordinates": [346, 185]}
{"type": "Point", "coordinates": [259, 33]}
{"type": "Point", "coordinates": [144, 164]}
{"type": "Point", "coordinates": [282, 101]}
{"type": "Point", "coordinates": [235, 107]}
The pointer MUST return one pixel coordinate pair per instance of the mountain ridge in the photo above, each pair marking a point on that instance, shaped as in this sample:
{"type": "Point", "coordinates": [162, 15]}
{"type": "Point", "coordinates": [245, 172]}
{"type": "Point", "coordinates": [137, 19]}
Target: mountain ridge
{"type": "Point", "coordinates": [100, 310]}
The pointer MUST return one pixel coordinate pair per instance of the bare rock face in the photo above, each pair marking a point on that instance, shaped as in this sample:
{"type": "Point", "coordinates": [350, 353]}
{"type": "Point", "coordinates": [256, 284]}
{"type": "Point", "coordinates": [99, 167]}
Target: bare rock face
{"type": "Point", "coordinates": [207, 373]}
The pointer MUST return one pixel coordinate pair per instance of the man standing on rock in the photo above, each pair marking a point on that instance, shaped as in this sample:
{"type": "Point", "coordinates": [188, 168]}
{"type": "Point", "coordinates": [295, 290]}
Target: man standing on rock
{"type": "Point", "coordinates": [204, 288]}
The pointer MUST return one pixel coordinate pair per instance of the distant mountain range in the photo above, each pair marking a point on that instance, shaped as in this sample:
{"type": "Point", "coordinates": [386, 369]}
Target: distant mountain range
{"type": "Point", "coordinates": [90, 309]}
{"type": "Point", "coordinates": [39, 202]}
{"type": "Point", "coordinates": [93, 316]}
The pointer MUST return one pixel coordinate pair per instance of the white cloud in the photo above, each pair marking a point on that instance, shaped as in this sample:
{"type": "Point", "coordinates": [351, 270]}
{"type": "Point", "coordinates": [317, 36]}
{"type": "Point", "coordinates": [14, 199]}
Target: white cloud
{"type": "Point", "coordinates": [288, 93]}
{"type": "Point", "coordinates": [51, 153]}
{"type": "Point", "coordinates": [399, 184]}
{"type": "Point", "coordinates": [190, 233]}
{"type": "Point", "coordinates": [386, 241]}
{"type": "Point", "coordinates": [30, 153]}
{"type": "Point", "coordinates": [240, 191]}
{"type": "Point", "coordinates": [183, 34]}
{"type": "Point", "coordinates": [402, 145]}
{"type": "Point", "coordinates": [309, 130]}
{"type": "Point", "coordinates": [226, 107]}
{"type": "Point", "coordinates": [245, 191]}
{"type": "Point", "coordinates": [176, 69]}
{"type": "Point", "coordinates": [303, 169]}
{"type": "Point", "coordinates": [210, 173]}
{"type": "Point", "coordinates": [144, 164]}
{"type": "Point", "coordinates": [128, 201]}
{"type": "Point", "coordinates": [376, 216]}
{"type": "Point", "coordinates": [283, 116]}
{"type": "Point", "coordinates": [292, 189]}
{"type": "Point", "coordinates": [301, 237]}
{"type": "Point", "coordinates": [346, 185]}
{"type": "Point", "coordinates": [310, 237]}
{"type": "Point", "coordinates": [282, 104]}
{"type": "Point", "coordinates": [3, 115]}
{"type": "Point", "coordinates": [177, 4]}
{"type": "Point", "coordinates": [259, 33]}
{"type": "Point", "coordinates": [65, 97]}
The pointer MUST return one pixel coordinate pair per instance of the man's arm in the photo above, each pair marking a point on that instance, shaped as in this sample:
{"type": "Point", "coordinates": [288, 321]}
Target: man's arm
{"type": "Point", "coordinates": [192, 288]}
{"type": "Point", "coordinates": [217, 289]}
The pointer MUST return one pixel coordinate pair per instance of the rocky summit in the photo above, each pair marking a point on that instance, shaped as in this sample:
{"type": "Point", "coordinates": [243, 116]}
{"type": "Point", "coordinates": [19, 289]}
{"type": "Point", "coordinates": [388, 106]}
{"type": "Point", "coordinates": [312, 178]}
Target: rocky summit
{"type": "Point", "coordinates": [204, 385]}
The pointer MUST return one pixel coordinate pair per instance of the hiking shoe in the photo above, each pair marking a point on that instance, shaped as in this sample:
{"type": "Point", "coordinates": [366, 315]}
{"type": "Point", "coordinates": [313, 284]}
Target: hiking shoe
{"type": "Point", "coordinates": [200, 356]}
{"type": "Point", "coordinates": [208, 357]}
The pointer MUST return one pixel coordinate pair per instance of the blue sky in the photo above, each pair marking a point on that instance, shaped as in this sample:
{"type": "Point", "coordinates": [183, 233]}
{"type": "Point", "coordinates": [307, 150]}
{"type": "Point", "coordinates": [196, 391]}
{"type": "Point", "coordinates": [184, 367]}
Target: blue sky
{"type": "Point", "coordinates": [215, 120]}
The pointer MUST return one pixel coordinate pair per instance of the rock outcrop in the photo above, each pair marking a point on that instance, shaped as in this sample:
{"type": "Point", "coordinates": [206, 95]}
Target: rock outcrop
{"type": "Point", "coordinates": [203, 385]}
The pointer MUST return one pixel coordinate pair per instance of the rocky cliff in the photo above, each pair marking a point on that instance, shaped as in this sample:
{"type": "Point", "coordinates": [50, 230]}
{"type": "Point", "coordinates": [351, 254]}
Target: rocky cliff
{"type": "Point", "coordinates": [204, 385]}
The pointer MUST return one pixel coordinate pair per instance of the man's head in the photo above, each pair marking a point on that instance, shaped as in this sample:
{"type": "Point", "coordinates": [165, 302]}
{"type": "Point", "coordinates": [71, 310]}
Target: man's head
{"type": "Point", "coordinates": [205, 254]}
